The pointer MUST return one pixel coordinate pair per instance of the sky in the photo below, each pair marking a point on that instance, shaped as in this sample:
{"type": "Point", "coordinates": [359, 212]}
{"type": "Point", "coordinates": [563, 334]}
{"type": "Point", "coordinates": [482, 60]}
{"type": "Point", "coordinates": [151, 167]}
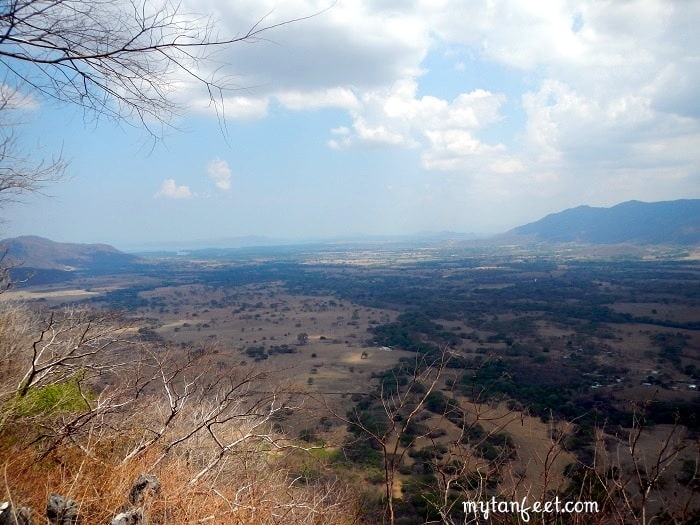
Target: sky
{"type": "Point", "coordinates": [389, 117]}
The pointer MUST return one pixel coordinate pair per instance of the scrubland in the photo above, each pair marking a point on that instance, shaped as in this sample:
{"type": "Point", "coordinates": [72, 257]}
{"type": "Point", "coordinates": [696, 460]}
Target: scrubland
{"type": "Point", "coordinates": [358, 393]}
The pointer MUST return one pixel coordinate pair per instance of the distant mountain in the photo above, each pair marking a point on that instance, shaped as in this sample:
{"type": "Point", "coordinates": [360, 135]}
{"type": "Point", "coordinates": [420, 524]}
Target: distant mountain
{"type": "Point", "coordinates": [669, 222]}
{"type": "Point", "coordinates": [37, 252]}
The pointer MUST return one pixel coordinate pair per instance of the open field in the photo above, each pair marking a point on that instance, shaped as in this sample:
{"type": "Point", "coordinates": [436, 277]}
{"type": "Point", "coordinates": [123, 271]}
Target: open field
{"type": "Point", "coordinates": [555, 349]}
{"type": "Point", "coordinates": [61, 295]}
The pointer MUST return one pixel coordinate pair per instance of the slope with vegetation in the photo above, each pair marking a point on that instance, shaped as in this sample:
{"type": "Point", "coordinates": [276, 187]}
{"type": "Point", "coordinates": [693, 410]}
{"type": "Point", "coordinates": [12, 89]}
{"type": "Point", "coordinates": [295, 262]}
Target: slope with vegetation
{"type": "Point", "coordinates": [670, 222]}
{"type": "Point", "coordinates": [90, 401]}
{"type": "Point", "coordinates": [477, 377]}
{"type": "Point", "coordinates": [86, 408]}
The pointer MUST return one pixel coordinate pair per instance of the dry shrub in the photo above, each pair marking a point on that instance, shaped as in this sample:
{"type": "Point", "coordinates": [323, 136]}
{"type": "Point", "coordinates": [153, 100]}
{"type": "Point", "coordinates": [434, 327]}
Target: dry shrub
{"type": "Point", "coordinates": [15, 328]}
{"type": "Point", "coordinates": [244, 494]}
{"type": "Point", "coordinates": [207, 438]}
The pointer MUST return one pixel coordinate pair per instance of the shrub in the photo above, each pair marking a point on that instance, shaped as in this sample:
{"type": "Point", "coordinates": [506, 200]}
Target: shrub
{"type": "Point", "coordinates": [52, 399]}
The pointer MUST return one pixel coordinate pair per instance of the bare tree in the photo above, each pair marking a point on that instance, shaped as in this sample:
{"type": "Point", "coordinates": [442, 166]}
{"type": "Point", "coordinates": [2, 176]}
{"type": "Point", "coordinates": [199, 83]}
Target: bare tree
{"type": "Point", "coordinates": [463, 468]}
{"type": "Point", "coordinates": [390, 422]}
{"type": "Point", "coordinates": [635, 471]}
{"type": "Point", "coordinates": [69, 342]}
{"type": "Point", "coordinates": [455, 450]}
{"type": "Point", "coordinates": [120, 59]}
{"type": "Point", "coordinates": [41, 348]}
{"type": "Point", "coordinates": [112, 57]}
{"type": "Point", "coordinates": [20, 171]}
{"type": "Point", "coordinates": [218, 411]}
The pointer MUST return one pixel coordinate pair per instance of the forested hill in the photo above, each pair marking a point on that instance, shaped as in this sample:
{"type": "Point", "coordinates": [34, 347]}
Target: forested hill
{"type": "Point", "coordinates": [37, 252]}
{"type": "Point", "coordinates": [669, 222]}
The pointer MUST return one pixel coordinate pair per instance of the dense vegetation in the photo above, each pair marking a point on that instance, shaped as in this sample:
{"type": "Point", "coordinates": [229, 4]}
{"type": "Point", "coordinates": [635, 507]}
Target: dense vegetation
{"type": "Point", "coordinates": [543, 336]}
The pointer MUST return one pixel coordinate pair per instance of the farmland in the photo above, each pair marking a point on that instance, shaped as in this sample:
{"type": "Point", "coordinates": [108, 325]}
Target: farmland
{"type": "Point", "coordinates": [536, 363]}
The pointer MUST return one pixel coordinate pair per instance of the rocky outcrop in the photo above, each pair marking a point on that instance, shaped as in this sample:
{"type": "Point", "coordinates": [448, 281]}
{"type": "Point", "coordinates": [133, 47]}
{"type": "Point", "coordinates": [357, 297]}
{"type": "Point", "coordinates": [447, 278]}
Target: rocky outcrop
{"type": "Point", "coordinates": [9, 516]}
{"type": "Point", "coordinates": [61, 510]}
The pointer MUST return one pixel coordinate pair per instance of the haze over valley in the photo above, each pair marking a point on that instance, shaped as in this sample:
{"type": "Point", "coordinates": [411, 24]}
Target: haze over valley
{"type": "Point", "coordinates": [350, 262]}
{"type": "Point", "coordinates": [510, 337]}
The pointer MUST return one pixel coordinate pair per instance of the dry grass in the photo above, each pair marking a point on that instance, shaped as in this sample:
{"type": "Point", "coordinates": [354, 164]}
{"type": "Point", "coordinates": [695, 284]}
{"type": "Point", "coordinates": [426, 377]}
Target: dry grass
{"type": "Point", "coordinates": [208, 440]}
{"type": "Point", "coordinates": [247, 490]}
{"type": "Point", "coordinates": [230, 467]}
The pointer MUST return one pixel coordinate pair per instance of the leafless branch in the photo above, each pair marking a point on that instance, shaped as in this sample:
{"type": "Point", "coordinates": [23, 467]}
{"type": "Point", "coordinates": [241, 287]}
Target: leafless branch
{"type": "Point", "coordinates": [123, 60]}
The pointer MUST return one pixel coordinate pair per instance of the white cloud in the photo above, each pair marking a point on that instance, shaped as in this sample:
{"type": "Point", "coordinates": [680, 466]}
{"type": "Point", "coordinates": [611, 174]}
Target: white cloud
{"type": "Point", "coordinates": [170, 190]}
{"type": "Point", "coordinates": [446, 131]}
{"type": "Point", "coordinates": [606, 87]}
{"type": "Point", "coordinates": [353, 43]}
{"type": "Point", "coordinates": [220, 172]}
{"type": "Point", "coordinates": [579, 133]}
{"type": "Point", "coordinates": [325, 98]}
{"type": "Point", "coordinates": [675, 90]}
{"type": "Point", "coordinates": [228, 107]}
{"type": "Point", "coordinates": [319, 62]}
{"type": "Point", "coordinates": [11, 98]}
{"type": "Point", "coordinates": [342, 138]}
{"type": "Point", "coordinates": [458, 149]}
{"type": "Point", "coordinates": [244, 108]}
{"type": "Point", "coordinates": [506, 165]}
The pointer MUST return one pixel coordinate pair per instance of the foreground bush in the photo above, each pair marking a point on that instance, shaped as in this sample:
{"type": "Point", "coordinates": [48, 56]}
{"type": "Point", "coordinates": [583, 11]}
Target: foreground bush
{"type": "Point", "coordinates": [85, 409]}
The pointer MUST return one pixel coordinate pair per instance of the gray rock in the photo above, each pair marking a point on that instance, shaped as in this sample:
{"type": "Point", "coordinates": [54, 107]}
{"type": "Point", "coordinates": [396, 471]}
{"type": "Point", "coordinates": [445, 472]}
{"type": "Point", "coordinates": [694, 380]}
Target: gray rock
{"type": "Point", "coordinates": [9, 516]}
{"type": "Point", "coordinates": [145, 485]}
{"type": "Point", "coordinates": [61, 510]}
{"type": "Point", "coordinates": [130, 517]}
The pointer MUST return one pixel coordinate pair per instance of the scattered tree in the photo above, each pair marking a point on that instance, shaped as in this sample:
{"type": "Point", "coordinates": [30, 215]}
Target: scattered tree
{"type": "Point", "coordinates": [401, 398]}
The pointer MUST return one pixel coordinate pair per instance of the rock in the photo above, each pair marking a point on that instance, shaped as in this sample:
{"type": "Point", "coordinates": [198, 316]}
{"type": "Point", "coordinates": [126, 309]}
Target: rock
{"type": "Point", "coordinates": [61, 510]}
{"type": "Point", "coordinates": [145, 485]}
{"type": "Point", "coordinates": [130, 517]}
{"type": "Point", "coordinates": [64, 511]}
{"type": "Point", "coordinates": [8, 516]}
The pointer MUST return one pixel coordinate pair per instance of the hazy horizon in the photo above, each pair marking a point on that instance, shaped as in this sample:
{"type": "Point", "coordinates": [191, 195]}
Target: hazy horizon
{"type": "Point", "coordinates": [252, 241]}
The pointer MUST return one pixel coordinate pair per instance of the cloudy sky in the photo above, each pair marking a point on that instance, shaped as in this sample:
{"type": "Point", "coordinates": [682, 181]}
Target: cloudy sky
{"type": "Point", "coordinates": [392, 117]}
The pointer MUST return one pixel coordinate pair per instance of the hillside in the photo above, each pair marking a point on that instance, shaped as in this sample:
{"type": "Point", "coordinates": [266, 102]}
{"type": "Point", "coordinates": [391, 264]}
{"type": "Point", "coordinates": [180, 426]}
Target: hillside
{"type": "Point", "coordinates": [670, 222]}
{"type": "Point", "coordinates": [39, 253]}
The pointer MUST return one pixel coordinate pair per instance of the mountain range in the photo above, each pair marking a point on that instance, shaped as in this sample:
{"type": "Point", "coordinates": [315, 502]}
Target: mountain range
{"type": "Point", "coordinates": [633, 222]}
{"type": "Point", "coordinates": [30, 251]}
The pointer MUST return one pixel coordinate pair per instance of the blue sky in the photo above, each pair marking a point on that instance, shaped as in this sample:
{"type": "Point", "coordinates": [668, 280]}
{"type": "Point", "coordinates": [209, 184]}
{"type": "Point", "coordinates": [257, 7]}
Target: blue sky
{"type": "Point", "coordinates": [391, 117]}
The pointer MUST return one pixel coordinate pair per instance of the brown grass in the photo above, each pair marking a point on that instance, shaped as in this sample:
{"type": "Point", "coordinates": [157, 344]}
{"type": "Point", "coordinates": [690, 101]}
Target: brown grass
{"type": "Point", "coordinates": [261, 478]}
